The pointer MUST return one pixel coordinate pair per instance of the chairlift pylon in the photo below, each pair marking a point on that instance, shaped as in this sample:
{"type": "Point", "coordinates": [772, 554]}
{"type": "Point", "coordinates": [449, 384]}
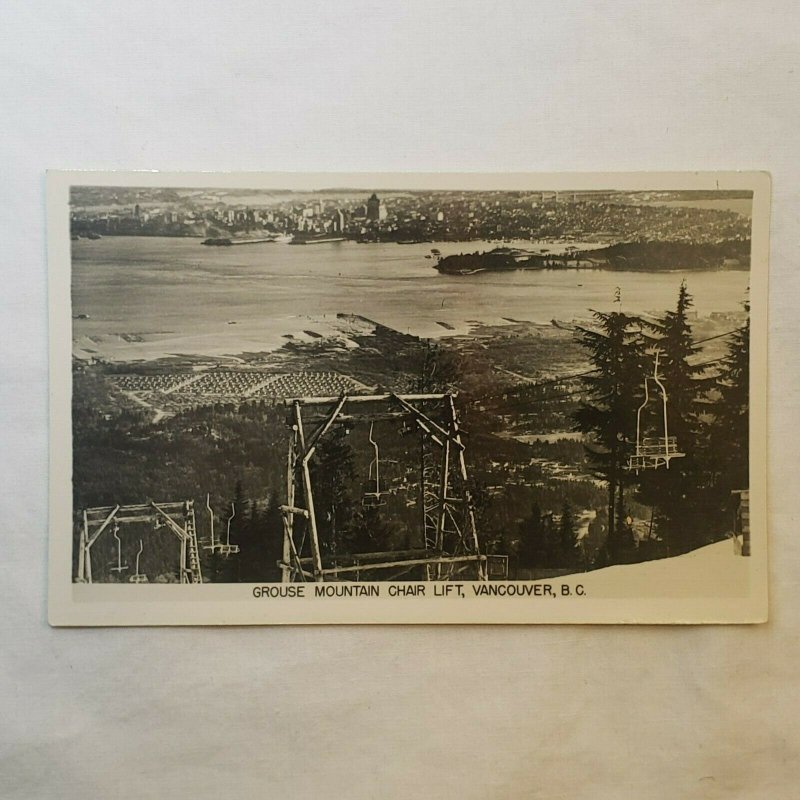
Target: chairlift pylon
{"type": "Point", "coordinates": [653, 452]}
{"type": "Point", "coordinates": [373, 499]}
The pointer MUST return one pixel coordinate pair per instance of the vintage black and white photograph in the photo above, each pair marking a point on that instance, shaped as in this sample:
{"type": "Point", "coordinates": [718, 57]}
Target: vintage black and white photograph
{"type": "Point", "coordinates": [508, 390]}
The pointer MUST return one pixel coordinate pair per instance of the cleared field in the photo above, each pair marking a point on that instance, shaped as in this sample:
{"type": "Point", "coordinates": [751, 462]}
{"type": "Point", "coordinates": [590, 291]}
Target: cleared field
{"type": "Point", "coordinates": [183, 388]}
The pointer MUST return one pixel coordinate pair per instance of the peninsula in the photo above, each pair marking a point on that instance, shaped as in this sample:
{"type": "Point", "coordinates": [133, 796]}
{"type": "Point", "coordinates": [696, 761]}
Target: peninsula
{"type": "Point", "coordinates": [649, 256]}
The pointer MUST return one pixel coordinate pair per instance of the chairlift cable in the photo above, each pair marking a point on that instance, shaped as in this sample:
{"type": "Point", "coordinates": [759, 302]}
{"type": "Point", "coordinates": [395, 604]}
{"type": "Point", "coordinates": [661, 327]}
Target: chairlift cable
{"type": "Point", "coordinates": [564, 378]}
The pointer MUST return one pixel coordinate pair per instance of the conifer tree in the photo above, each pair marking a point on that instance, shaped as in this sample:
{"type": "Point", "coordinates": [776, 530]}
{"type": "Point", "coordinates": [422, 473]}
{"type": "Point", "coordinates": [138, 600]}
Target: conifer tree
{"type": "Point", "coordinates": [674, 339]}
{"type": "Point", "coordinates": [551, 542]}
{"type": "Point", "coordinates": [609, 416]}
{"type": "Point", "coordinates": [673, 492]}
{"type": "Point", "coordinates": [253, 557]}
{"type": "Point", "coordinates": [730, 429]}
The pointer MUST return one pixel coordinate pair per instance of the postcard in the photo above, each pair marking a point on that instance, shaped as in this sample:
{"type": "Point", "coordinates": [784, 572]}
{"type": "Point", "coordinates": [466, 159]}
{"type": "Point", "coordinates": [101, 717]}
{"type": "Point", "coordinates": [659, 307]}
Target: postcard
{"type": "Point", "coordinates": [407, 398]}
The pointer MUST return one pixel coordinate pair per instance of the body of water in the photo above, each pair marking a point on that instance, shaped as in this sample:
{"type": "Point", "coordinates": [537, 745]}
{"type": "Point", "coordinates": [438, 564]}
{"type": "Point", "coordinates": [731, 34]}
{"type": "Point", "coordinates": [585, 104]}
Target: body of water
{"type": "Point", "coordinates": [148, 297]}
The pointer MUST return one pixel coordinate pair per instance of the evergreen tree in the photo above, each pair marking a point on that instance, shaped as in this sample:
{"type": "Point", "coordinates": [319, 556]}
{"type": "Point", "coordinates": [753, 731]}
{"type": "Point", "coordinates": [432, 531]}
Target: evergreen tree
{"type": "Point", "coordinates": [253, 555]}
{"type": "Point", "coordinates": [440, 369]}
{"type": "Point", "coordinates": [609, 417]}
{"type": "Point", "coordinates": [673, 337]}
{"type": "Point", "coordinates": [551, 542]}
{"type": "Point", "coordinates": [673, 491]}
{"type": "Point", "coordinates": [730, 429]}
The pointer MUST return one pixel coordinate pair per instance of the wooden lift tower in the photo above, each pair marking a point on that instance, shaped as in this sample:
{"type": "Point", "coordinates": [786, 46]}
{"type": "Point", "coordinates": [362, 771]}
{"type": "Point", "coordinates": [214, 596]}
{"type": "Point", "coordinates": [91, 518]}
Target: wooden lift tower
{"type": "Point", "coordinates": [178, 517]}
{"type": "Point", "coordinates": [446, 519]}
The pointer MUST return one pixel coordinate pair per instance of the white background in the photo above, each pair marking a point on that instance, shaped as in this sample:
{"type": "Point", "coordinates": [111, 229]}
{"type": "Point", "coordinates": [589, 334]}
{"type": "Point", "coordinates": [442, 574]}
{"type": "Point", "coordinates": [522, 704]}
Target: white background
{"type": "Point", "coordinates": [565, 712]}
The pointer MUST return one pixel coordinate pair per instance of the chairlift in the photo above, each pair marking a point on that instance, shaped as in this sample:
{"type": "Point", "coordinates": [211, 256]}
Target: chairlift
{"type": "Point", "coordinates": [373, 499]}
{"type": "Point", "coordinates": [213, 546]}
{"type": "Point", "coordinates": [406, 428]}
{"type": "Point", "coordinates": [138, 577]}
{"type": "Point", "coordinates": [120, 566]}
{"type": "Point", "coordinates": [653, 452]}
{"type": "Point", "coordinates": [229, 549]}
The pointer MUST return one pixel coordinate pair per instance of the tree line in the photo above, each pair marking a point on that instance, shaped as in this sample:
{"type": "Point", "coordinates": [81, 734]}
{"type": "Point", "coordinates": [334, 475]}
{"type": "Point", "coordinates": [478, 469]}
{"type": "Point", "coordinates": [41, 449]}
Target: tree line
{"type": "Point", "coordinates": [707, 413]}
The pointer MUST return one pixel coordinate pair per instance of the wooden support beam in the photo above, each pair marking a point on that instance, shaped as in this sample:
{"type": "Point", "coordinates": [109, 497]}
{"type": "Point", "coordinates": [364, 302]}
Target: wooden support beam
{"type": "Point", "coordinates": [289, 567]}
{"type": "Point", "coordinates": [362, 398]}
{"type": "Point", "coordinates": [288, 519]}
{"type": "Point", "coordinates": [292, 549]}
{"type": "Point", "coordinates": [303, 512]}
{"type": "Point", "coordinates": [426, 422]}
{"type": "Point", "coordinates": [323, 429]}
{"type": "Point", "coordinates": [183, 568]}
{"type": "Point", "coordinates": [309, 496]}
{"type": "Point", "coordinates": [174, 527]}
{"type": "Point", "coordinates": [82, 548]}
{"type": "Point", "coordinates": [343, 419]}
{"type": "Point", "coordinates": [444, 477]}
{"type": "Point", "coordinates": [135, 509]}
{"type": "Point", "coordinates": [408, 563]}
{"type": "Point", "coordinates": [112, 513]}
{"type": "Point", "coordinates": [391, 554]}
{"type": "Point", "coordinates": [462, 464]}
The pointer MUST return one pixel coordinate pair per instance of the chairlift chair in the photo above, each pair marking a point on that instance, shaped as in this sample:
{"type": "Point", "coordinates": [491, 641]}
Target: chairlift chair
{"type": "Point", "coordinates": [373, 499]}
{"type": "Point", "coordinates": [229, 549]}
{"type": "Point", "coordinates": [138, 577]}
{"type": "Point", "coordinates": [653, 452]}
{"type": "Point", "coordinates": [213, 546]}
{"type": "Point", "coordinates": [120, 566]}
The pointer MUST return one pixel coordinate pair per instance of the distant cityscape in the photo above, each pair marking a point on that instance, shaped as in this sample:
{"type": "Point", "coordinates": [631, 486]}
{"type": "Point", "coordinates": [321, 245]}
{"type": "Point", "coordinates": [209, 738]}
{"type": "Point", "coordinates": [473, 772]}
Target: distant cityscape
{"type": "Point", "coordinates": [408, 217]}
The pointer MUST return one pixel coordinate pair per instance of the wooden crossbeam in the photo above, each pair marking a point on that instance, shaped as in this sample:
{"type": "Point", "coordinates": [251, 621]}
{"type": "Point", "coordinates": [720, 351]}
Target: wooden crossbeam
{"type": "Point", "coordinates": [322, 430]}
{"type": "Point", "coordinates": [385, 416]}
{"type": "Point", "coordinates": [173, 526]}
{"type": "Point", "coordinates": [426, 422]}
{"type": "Point", "coordinates": [283, 565]}
{"type": "Point", "coordinates": [109, 516]}
{"type": "Point", "coordinates": [362, 398]}
{"type": "Point", "coordinates": [379, 555]}
{"type": "Point", "coordinates": [135, 509]}
{"type": "Point", "coordinates": [405, 563]}
{"type": "Point", "coordinates": [303, 512]}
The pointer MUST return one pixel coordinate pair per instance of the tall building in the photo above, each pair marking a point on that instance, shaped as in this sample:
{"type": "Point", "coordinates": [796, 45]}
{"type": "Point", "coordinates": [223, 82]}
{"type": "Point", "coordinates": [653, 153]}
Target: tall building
{"type": "Point", "coordinates": [373, 208]}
